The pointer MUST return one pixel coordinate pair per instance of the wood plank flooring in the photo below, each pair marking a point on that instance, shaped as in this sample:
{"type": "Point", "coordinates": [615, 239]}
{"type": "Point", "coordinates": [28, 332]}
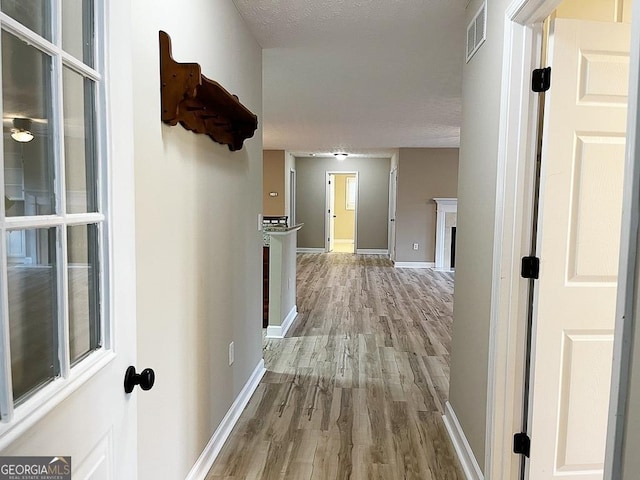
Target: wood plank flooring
{"type": "Point", "coordinates": [357, 389]}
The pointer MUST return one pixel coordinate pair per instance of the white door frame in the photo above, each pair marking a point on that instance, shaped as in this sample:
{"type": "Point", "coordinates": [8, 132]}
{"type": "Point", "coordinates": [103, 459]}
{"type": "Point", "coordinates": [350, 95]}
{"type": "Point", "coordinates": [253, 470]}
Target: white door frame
{"type": "Point", "coordinates": [327, 194]}
{"type": "Point", "coordinates": [292, 196]}
{"type": "Point", "coordinates": [628, 275]}
{"type": "Point", "coordinates": [393, 205]}
{"type": "Point", "coordinates": [512, 234]}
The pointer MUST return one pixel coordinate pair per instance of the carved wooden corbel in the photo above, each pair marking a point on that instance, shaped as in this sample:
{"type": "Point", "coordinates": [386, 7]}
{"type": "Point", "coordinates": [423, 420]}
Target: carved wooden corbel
{"type": "Point", "coordinates": [200, 104]}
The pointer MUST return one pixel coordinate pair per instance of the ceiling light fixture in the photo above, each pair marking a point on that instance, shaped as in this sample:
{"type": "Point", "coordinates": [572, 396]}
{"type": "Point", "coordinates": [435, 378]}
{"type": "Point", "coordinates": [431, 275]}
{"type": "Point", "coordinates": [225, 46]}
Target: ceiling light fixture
{"type": "Point", "coordinates": [341, 155]}
{"type": "Point", "coordinates": [21, 130]}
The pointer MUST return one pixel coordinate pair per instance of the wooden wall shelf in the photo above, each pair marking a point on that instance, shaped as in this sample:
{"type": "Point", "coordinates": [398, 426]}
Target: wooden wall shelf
{"type": "Point", "coordinates": [200, 104]}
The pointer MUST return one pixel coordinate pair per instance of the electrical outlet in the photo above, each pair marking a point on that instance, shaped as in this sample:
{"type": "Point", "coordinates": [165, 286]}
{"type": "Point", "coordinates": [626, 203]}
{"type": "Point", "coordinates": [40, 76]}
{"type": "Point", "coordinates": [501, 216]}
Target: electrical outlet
{"type": "Point", "coordinates": [289, 284]}
{"type": "Point", "coordinates": [231, 353]}
{"type": "Point", "coordinates": [415, 246]}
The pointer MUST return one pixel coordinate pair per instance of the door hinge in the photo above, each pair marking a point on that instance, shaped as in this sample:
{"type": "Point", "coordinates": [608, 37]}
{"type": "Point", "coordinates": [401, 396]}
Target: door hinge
{"type": "Point", "coordinates": [522, 444]}
{"type": "Point", "coordinates": [530, 267]}
{"type": "Point", "coordinates": [541, 79]}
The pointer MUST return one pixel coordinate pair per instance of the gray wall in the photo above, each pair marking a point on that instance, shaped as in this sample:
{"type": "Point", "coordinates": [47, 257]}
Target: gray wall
{"type": "Point", "coordinates": [423, 173]}
{"type": "Point", "coordinates": [199, 252]}
{"type": "Point", "coordinates": [476, 215]}
{"type": "Point", "coordinates": [373, 199]}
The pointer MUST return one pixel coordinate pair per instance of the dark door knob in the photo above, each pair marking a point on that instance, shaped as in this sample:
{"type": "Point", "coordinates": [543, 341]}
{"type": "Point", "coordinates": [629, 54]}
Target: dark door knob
{"type": "Point", "coordinates": [145, 379]}
{"type": "Point", "coordinates": [393, 219]}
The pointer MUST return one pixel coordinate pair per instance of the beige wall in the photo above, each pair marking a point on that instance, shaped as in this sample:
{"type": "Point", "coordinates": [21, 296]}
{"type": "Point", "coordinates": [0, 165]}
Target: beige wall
{"type": "Point", "coordinates": [199, 255]}
{"type": "Point", "coordinates": [599, 10]}
{"type": "Point", "coordinates": [273, 181]}
{"type": "Point", "coordinates": [423, 173]}
{"type": "Point", "coordinates": [482, 78]}
{"type": "Point", "coordinates": [345, 222]}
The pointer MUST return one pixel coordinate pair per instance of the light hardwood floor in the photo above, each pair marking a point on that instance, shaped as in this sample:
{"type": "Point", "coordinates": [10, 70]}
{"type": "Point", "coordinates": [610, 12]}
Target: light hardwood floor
{"type": "Point", "coordinates": [357, 389]}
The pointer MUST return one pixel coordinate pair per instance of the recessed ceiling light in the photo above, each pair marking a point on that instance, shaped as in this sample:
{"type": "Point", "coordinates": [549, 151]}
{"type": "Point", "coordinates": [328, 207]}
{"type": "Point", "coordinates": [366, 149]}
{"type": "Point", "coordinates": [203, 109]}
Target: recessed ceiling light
{"type": "Point", "coordinates": [341, 155]}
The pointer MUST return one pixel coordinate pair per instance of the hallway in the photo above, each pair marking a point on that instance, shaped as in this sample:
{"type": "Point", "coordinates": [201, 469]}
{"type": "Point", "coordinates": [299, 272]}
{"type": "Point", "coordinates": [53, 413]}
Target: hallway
{"type": "Point", "coordinates": [357, 389]}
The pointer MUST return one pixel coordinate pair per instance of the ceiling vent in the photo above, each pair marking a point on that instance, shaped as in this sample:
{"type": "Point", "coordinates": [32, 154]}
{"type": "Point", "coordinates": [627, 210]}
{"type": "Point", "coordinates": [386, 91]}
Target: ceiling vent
{"type": "Point", "coordinates": [477, 31]}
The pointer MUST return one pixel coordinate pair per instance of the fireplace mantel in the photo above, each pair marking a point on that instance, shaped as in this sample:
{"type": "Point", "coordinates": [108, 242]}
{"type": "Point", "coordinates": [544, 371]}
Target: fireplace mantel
{"type": "Point", "coordinates": [446, 208]}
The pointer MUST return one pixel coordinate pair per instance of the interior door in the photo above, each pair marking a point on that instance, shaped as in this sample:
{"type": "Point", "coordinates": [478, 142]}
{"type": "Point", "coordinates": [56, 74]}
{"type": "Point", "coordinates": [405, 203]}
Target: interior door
{"type": "Point", "coordinates": [393, 179]}
{"type": "Point", "coordinates": [331, 211]}
{"type": "Point", "coordinates": [292, 197]}
{"type": "Point", "coordinates": [578, 238]}
{"type": "Point", "coordinates": [84, 266]}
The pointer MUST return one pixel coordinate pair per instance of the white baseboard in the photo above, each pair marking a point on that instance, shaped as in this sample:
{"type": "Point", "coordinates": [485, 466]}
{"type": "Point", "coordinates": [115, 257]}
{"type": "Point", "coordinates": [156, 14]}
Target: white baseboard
{"type": "Point", "coordinates": [372, 251]}
{"type": "Point", "coordinates": [309, 250]}
{"type": "Point", "coordinates": [279, 331]}
{"type": "Point", "coordinates": [467, 459]}
{"type": "Point", "coordinates": [414, 264]}
{"type": "Point", "coordinates": [210, 453]}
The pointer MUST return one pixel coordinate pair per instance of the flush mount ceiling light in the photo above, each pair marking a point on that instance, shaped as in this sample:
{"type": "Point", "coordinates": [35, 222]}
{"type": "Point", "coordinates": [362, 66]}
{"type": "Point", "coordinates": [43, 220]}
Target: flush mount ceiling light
{"type": "Point", "coordinates": [21, 131]}
{"type": "Point", "coordinates": [341, 155]}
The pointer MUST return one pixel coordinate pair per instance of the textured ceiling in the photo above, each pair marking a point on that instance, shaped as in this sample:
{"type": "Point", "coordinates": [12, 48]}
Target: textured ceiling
{"type": "Point", "coordinates": [359, 74]}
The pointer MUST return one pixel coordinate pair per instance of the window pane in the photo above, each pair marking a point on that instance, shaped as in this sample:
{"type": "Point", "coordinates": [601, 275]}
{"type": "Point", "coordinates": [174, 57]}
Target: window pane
{"type": "Point", "coordinates": [28, 140]}
{"type": "Point", "coordinates": [33, 14]}
{"type": "Point", "coordinates": [77, 29]}
{"type": "Point", "coordinates": [84, 310]}
{"type": "Point", "coordinates": [32, 308]}
{"type": "Point", "coordinates": [79, 142]}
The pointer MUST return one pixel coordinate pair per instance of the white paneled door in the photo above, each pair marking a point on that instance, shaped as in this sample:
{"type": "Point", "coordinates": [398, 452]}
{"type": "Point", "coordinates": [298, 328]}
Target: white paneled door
{"type": "Point", "coordinates": [579, 231]}
{"type": "Point", "coordinates": [393, 184]}
{"type": "Point", "coordinates": [67, 256]}
{"type": "Point", "coordinates": [331, 211]}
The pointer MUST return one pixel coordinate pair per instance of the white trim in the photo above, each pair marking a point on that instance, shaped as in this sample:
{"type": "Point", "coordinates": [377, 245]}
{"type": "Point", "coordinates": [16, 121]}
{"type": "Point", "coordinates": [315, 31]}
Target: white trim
{"type": "Point", "coordinates": [290, 193]}
{"type": "Point", "coordinates": [309, 250]}
{"type": "Point", "coordinates": [461, 445]}
{"type": "Point", "coordinates": [279, 331]}
{"type": "Point", "coordinates": [414, 264]}
{"type": "Point", "coordinates": [41, 43]}
{"type": "Point", "coordinates": [327, 203]}
{"type": "Point", "coordinates": [512, 232]}
{"type": "Point", "coordinates": [626, 308]}
{"type": "Point", "coordinates": [443, 206]}
{"type": "Point", "coordinates": [372, 251]}
{"type": "Point", "coordinates": [393, 208]}
{"type": "Point", "coordinates": [210, 453]}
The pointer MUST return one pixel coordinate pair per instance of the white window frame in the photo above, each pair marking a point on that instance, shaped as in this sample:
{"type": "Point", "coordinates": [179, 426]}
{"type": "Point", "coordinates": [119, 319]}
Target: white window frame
{"type": "Point", "coordinates": [351, 190]}
{"type": "Point", "coordinates": [16, 419]}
